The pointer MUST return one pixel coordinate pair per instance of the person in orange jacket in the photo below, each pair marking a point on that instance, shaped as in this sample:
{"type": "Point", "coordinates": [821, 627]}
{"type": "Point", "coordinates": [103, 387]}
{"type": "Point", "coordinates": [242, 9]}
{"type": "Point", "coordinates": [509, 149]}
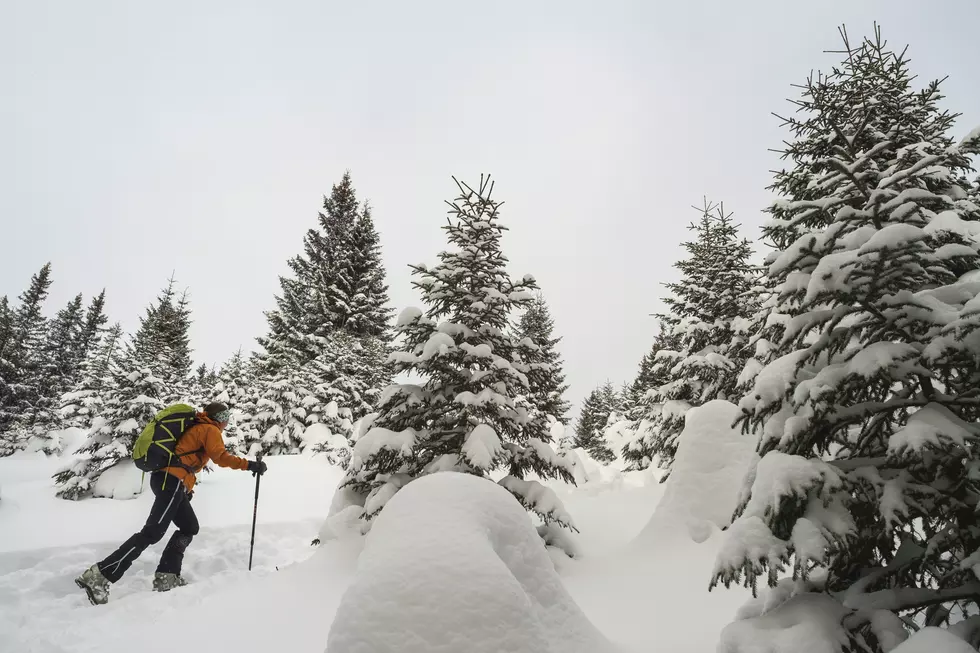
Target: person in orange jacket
{"type": "Point", "coordinates": [173, 488]}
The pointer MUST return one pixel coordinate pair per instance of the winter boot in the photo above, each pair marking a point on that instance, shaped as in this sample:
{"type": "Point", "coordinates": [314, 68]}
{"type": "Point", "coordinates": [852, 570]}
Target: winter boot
{"type": "Point", "coordinates": [166, 582]}
{"type": "Point", "coordinates": [95, 585]}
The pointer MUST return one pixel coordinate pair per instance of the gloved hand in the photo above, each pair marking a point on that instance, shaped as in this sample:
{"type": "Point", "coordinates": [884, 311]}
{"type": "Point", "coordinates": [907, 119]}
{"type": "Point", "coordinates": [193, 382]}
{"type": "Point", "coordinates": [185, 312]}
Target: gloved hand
{"type": "Point", "coordinates": [257, 467]}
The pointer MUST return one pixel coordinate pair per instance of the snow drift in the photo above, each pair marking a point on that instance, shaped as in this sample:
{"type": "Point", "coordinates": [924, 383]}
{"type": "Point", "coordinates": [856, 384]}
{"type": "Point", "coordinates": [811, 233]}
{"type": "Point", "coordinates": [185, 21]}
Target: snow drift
{"type": "Point", "coordinates": [706, 479]}
{"type": "Point", "coordinates": [452, 564]}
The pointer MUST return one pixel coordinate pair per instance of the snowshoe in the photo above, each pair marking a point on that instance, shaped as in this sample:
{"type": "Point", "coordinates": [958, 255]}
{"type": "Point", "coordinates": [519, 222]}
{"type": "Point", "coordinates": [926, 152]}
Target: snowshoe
{"type": "Point", "coordinates": [166, 582]}
{"type": "Point", "coordinates": [96, 585]}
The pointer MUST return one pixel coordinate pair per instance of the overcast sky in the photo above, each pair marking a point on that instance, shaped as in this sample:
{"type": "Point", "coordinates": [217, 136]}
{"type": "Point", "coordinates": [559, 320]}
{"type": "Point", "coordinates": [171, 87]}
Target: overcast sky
{"type": "Point", "coordinates": [137, 139]}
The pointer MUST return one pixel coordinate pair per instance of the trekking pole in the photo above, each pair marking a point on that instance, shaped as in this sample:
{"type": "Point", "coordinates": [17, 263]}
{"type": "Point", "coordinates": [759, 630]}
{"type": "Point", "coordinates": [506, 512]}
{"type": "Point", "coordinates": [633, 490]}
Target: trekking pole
{"type": "Point", "coordinates": [255, 512]}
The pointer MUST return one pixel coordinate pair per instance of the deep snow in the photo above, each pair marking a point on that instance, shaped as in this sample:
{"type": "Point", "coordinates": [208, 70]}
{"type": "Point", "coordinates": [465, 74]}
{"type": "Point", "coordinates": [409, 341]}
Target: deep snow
{"type": "Point", "coordinates": [643, 595]}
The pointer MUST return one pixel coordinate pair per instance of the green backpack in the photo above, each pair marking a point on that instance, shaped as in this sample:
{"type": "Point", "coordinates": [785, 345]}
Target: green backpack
{"type": "Point", "coordinates": [156, 446]}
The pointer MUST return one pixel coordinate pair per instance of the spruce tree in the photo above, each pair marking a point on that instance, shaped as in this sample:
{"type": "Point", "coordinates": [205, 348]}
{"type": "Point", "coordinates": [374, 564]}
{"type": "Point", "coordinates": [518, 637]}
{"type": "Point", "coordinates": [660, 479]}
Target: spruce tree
{"type": "Point", "coordinates": [162, 343]}
{"type": "Point", "coordinates": [234, 388]}
{"type": "Point", "coordinates": [704, 306]}
{"type": "Point", "coordinates": [642, 403]}
{"type": "Point", "coordinates": [136, 396]}
{"type": "Point", "coordinates": [84, 402]}
{"type": "Point", "coordinates": [546, 376]}
{"type": "Point", "coordinates": [330, 329]}
{"type": "Point", "coordinates": [59, 354]}
{"type": "Point", "coordinates": [864, 400]}
{"type": "Point", "coordinates": [369, 314]}
{"type": "Point", "coordinates": [337, 283]}
{"type": "Point", "coordinates": [281, 408]}
{"type": "Point", "coordinates": [56, 373]}
{"type": "Point", "coordinates": [93, 328]}
{"type": "Point", "coordinates": [20, 360]}
{"type": "Point", "coordinates": [6, 323]}
{"type": "Point", "coordinates": [590, 429]}
{"type": "Point", "coordinates": [463, 414]}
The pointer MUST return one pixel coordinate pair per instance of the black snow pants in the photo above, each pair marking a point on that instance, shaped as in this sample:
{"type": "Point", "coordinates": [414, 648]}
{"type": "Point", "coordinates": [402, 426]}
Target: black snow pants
{"type": "Point", "coordinates": [171, 504]}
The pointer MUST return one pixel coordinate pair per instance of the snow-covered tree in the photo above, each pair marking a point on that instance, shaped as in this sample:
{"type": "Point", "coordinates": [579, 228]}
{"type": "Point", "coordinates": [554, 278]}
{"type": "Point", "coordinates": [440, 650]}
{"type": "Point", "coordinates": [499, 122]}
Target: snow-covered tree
{"type": "Point", "coordinates": [864, 381]}
{"type": "Point", "coordinates": [235, 388]}
{"type": "Point", "coordinates": [20, 359]}
{"type": "Point", "coordinates": [601, 404]}
{"type": "Point", "coordinates": [280, 418]}
{"type": "Point", "coordinates": [704, 306]}
{"type": "Point", "coordinates": [463, 414]}
{"type": "Point", "coordinates": [368, 312]}
{"type": "Point", "coordinates": [56, 373]}
{"type": "Point", "coordinates": [92, 329]}
{"type": "Point", "coordinates": [336, 284]}
{"type": "Point", "coordinates": [642, 404]}
{"type": "Point", "coordinates": [84, 402]}
{"type": "Point", "coordinates": [162, 342]}
{"type": "Point", "coordinates": [546, 376]}
{"type": "Point", "coordinates": [6, 322]}
{"type": "Point", "coordinates": [136, 398]}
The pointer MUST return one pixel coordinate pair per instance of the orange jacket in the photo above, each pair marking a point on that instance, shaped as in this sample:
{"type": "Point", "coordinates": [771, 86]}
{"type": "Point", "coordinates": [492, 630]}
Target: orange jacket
{"type": "Point", "coordinates": [204, 439]}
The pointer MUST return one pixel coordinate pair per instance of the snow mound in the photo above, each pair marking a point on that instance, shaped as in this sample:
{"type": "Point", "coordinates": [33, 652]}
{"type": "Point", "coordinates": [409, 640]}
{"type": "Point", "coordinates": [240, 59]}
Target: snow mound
{"type": "Point", "coordinates": [934, 640]}
{"type": "Point", "coordinates": [448, 562]}
{"type": "Point", "coordinates": [121, 481]}
{"type": "Point", "coordinates": [706, 479]}
{"type": "Point", "coordinates": [804, 623]}
{"type": "Point", "coordinates": [590, 473]}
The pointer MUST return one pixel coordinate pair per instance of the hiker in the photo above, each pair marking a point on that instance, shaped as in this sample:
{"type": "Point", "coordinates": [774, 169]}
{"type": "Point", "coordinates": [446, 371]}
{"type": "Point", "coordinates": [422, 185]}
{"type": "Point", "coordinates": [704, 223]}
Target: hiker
{"type": "Point", "coordinates": [173, 488]}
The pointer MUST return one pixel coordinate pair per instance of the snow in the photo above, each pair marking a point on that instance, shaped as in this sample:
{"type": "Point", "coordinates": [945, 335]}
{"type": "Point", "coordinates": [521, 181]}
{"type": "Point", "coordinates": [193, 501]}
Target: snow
{"type": "Point", "coordinates": [779, 475]}
{"type": "Point", "coordinates": [408, 316]}
{"type": "Point", "coordinates": [129, 426]}
{"type": "Point", "coordinates": [934, 640]}
{"type": "Point", "coordinates": [482, 446]}
{"type": "Point", "coordinates": [709, 468]}
{"type": "Point", "coordinates": [893, 236]}
{"type": "Point", "coordinates": [438, 344]}
{"type": "Point", "coordinates": [121, 481]}
{"type": "Point", "coordinates": [773, 380]}
{"type": "Point", "coordinates": [378, 439]}
{"type": "Point", "coordinates": [931, 425]}
{"type": "Point", "coordinates": [453, 563]}
{"type": "Point", "coordinates": [804, 623]}
{"type": "Point", "coordinates": [643, 593]}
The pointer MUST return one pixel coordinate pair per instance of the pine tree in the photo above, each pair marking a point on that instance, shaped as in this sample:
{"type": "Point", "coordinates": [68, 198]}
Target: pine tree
{"type": "Point", "coordinates": [590, 429]}
{"type": "Point", "coordinates": [337, 294]}
{"type": "Point", "coordinates": [340, 270]}
{"type": "Point", "coordinates": [84, 403]}
{"type": "Point", "coordinates": [865, 397]}
{"type": "Point", "coordinates": [20, 359]}
{"type": "Point", "coordinates": [93, 328]}
{"type": "Point", "coordinates": [59, 355]}
{"type": "Point", "coordinates": [236, 389]}
{"type": "Point", "coordinates": [546, 376]}
{"type": "Point", "coordinates": [6, 323]}
{"type": "Point", "coordinates": [464, 414]}
{"type": "Point", "coordinates": [280, 418]}
{"type": "Point", "coordinates": [136, 398]}
{"type": "Point", "coordinates": [642, 404]}
{"type": "Point", "coordinates": [704, 307]}
{"type": "Point", "coordinates": [56, 374]}
{"type": "Point", "coordinates": [369, 313]}
{"type": "Point", "coordinates": [162, 343]}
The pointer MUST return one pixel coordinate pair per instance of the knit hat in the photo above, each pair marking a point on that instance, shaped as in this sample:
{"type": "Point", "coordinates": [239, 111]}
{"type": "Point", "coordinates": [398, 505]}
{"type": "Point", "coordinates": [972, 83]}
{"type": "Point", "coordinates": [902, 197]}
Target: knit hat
{"type": "Point", "coordinates": [217, 411]}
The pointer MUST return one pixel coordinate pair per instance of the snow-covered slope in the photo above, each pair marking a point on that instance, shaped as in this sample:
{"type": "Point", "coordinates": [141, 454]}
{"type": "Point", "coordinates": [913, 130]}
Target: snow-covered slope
{"type": "Point", "coordinates": [650, 598]}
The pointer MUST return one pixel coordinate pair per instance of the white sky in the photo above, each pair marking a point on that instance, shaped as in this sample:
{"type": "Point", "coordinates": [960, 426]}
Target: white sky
{"type": "Point", "coordinates": [200, 137]}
